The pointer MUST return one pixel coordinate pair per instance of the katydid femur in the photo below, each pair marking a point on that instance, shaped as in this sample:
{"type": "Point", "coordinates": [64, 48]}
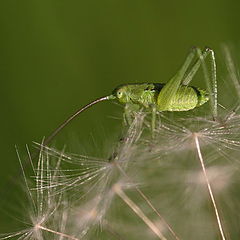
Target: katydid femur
{"type": "Point", "coordinates": [175, 95]}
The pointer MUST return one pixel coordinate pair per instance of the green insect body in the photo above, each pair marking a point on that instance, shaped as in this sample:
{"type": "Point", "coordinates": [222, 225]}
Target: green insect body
{"type": "Point", "coordinates": [146, 95]}
{"type": "Point", "coordinates": [175, 95]}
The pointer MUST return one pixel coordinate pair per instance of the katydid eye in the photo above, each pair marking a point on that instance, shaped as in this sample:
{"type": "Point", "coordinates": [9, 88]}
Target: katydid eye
{"type": "Point", "coordinates": [119, 94]}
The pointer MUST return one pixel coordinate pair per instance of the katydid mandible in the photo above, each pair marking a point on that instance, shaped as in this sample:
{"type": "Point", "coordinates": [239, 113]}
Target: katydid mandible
{"type": "Point", "coordinates": [175, 95]}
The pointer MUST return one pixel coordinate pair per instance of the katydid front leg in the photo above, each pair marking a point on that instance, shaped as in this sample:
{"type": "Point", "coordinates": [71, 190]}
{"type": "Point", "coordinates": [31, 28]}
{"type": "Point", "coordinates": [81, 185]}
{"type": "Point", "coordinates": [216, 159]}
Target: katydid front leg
{"type": "Point", "coordinates": [129, 109]}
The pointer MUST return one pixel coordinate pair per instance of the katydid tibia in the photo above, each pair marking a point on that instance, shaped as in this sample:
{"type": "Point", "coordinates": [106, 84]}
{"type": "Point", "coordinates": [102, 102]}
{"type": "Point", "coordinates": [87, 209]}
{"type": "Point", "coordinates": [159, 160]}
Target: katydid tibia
{"type": "Point", "coordinates": [175, 95]}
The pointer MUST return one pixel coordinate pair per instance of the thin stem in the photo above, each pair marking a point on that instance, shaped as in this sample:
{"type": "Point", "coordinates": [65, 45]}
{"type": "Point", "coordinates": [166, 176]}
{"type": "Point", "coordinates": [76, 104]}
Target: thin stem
{"type": "Point", "coordinates": [58, 233]}
{"type": "Point", "coordinates": [232, 69]}
{"type": "Point", "coordinates": [25, 178]}
{"type": "Point", "coordinates": [138, 211]}
{"type": "Point", "coordinates": [209, 186]}
{"type": "Point", "coordinates": [112, 231]}
{"type": "Point", "coordinates": [150, 204]}
{"type": "Point", "coordinates": [156, 211]}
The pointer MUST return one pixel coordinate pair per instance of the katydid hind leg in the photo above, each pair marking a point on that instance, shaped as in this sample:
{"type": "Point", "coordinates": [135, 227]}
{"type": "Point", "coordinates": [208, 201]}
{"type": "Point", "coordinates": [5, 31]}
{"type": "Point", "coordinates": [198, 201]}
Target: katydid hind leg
{"type": "Point", "coordinates": [211, 81]}
{"type": "Point", "coordinates": [189, 76]}
{"type": "Point", "coordinates": [214, 83]}
{"type": "Point", "coordinates": [169, 90]}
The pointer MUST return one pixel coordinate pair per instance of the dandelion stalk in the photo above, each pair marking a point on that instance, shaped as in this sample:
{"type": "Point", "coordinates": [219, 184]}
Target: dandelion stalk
{"type": "Point", "coordinates": [118, 190]}
{"type": "Point", "coordinates": [150, 204]}
{"type": "Point", "coordinates": [112, 231]}
{"type": "Point", "coordinates": [209, 186]}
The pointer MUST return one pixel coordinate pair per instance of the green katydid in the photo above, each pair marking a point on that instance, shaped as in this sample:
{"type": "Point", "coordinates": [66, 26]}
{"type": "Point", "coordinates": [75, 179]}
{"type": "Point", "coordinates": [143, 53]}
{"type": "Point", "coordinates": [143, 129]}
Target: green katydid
{"type": "Point", "coordinates": [175, 95]}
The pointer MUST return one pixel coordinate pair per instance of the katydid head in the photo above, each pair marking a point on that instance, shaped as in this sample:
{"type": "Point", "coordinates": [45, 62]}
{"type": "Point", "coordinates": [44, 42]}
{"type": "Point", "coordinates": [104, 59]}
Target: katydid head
{"type": "Point", "coordinates": [122, 93]}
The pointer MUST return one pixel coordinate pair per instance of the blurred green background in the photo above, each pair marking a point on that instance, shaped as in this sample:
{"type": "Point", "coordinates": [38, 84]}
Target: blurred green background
{"type": "Point", "coordinates": [58, 55]}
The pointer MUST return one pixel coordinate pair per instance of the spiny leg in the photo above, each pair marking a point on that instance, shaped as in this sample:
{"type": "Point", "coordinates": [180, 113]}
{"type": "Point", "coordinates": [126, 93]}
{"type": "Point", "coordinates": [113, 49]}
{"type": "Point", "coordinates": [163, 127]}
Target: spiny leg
{"type": "Point", "coordinates": [169, 90]}
{"type": "Point", "coordinates": [212, 88]}
{"type": "Point", "coordinates": [214, 83]}
{"type": "Point", "coordinates": [189, 76]}
{"type": "Point", "coordinates": [211, 81]}
{"type": "Point", "coordinates": [128, 110]}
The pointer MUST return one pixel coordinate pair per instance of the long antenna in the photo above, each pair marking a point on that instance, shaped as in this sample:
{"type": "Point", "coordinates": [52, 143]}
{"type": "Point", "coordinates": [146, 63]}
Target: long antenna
{"type": "Point", "coordinates": [59, 128]}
